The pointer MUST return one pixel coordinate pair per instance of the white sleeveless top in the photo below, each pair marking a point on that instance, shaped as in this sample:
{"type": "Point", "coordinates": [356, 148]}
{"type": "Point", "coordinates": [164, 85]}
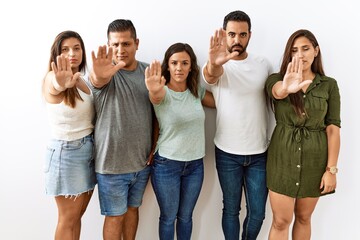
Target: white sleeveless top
{"type": "Point", "coordinates": [68, 123]}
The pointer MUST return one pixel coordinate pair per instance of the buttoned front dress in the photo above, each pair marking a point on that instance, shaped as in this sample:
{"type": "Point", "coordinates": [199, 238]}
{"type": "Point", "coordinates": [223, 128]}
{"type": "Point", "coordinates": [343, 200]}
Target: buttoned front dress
{"type": "Point", "coordinates": [297, 155]}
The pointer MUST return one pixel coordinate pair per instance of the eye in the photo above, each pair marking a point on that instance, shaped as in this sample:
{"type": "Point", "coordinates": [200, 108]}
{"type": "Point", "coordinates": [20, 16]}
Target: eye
{"type": "Point", "coordinates": [243, 35]}
{"type": "Point", "coordinates": [231, 34]}
{"type": "Point", "coordinates": [64, 49]}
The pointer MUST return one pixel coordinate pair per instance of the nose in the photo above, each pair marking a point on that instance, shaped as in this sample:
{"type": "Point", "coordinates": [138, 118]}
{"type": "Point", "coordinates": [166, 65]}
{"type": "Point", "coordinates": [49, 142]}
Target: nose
{"type": "Point", "coordinates": [71, 53]}
{"type": "Point", "coordinates": [300, 54]}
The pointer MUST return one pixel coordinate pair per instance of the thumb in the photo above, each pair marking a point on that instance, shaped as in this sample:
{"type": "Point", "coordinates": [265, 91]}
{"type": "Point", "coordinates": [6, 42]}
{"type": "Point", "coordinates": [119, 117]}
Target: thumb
{"type": "Point", "coordinates": [77, 76]}
{"type": "Point", "coordinates": [304, 83]}
{"type": "Point", "coordinates": [119, 65]}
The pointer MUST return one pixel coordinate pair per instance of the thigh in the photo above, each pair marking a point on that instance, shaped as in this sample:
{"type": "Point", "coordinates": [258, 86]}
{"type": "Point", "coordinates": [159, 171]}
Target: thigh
{"type": "Point", "coordinates": [113, 193]}
{"type": "Point", "coordinates": [304, 207]}
{"type": "Point", "coordinates": [138, 186]}
{"type": "Point", "coordinates": [282, 206]}
{"type": "Point", "coordinates": [230, 171]}
{"type": "Point", "coordinates": [165, 179]}
{"type": "Point", "coordinates": [191, 184]}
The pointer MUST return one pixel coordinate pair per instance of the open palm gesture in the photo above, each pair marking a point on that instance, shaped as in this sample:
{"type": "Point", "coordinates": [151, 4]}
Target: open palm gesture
{"type": "Point", "coordinates": [63, 73]}
{"type": "Point", "coordinates": [293, 81]}
{"type": "Point", "coordinates": [217, 51]}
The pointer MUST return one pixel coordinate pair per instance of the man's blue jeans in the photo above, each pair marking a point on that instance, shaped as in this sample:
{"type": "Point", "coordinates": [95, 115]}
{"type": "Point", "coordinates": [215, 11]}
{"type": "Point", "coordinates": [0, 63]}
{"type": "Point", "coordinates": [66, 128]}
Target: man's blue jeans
{"type": "Point", "coordinates": [177, 185]}
{"type": "Point", "coordinates": [238, 172]}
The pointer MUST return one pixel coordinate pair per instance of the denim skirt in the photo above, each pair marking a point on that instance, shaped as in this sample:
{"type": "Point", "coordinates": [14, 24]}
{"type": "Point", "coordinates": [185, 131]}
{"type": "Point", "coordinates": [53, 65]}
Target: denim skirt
{"type": "Point", "coordinates": [69, 167]}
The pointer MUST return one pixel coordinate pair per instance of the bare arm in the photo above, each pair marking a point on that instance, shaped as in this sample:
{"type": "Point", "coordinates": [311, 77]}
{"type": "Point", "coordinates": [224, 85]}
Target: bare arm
{"type": "Point", "coordinates": [208, 100]}
{"type": "Point", "coordinates": [103, 67]}
{"type": "Point", "coordinates": [328, 181]}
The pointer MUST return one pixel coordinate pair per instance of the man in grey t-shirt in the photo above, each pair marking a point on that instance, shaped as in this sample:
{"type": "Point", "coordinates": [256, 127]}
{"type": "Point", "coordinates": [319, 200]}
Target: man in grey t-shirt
{"type": "Point", "coordinates": [123, 129]}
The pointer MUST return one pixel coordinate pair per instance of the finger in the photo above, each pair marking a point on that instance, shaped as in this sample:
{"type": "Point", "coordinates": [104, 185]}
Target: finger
{"type": "Point", "coordinates": [147, 72]}
{"type": "Point", "coordinates": [301, 65]}
{"type": "Point", "coordinates": [110, 53]}
{"type": "Point", "coordinates": [289, 67]}
{"type": "Point", "coordinates": [53, 67]}
{"type": "Point", "coordinates": [304, 83]}
{"type": "Point", "coordinates": [77, 76]}
{"type": "Point", "coordinates": [93, 57]}
{"type": "Point", "coordinates": [98, 55]}
{"type": "Point", "coordinates": [158, 68]}
{"type": "Point", "coordinates": [162, 81]}
{"type": "Point", "coordinates": [67, 61]}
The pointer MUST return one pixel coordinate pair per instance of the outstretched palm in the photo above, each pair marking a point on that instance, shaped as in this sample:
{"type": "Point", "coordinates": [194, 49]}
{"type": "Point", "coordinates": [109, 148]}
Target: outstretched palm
{"type": "Point", "coordinates": [63, 72]}
{"type": "Point", "coordinates": [153, 79]}
{"type": "Point", "coordinates": [293, 81]}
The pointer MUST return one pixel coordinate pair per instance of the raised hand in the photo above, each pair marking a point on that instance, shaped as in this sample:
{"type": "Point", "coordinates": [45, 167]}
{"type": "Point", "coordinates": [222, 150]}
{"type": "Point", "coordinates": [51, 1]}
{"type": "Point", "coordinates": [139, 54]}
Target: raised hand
{"type": "Point", "coordinates": [155, 82]}
{"type": "Point", "coordinates": [293, 81]}
{"type": "Point", "coordinates": [103, 67]}
{"type": "Point", "coordinates": [217, 51]}
{"type": "Point", "coordinates": [63, 75]}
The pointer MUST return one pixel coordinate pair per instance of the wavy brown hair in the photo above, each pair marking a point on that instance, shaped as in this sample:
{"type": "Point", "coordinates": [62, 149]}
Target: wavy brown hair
{"type": "Point", "coordinates": [296, 99]}
{"type": "Point", "coordinates": [192, 80]}
{"type": "Point", "coordinates": [70, 94]}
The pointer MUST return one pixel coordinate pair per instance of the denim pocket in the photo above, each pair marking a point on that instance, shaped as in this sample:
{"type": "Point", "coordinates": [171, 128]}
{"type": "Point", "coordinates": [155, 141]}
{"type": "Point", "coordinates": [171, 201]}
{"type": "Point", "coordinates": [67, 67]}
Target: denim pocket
{"type": "Point", "coordinates": [48, 158]}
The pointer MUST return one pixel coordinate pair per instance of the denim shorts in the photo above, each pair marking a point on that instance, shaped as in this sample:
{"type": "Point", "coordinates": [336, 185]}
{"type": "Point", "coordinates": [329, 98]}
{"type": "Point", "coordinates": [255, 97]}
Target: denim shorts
{"type": "Point", "coordinates": [69, 167]}
{"type": "Point", "coordinates": [118, 191]}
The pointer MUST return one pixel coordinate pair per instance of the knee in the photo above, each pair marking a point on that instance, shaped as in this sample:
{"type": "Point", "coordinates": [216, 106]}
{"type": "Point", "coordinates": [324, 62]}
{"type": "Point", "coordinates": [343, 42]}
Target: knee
{"type": "Point", "coordinates": [281, 224]}
{"type": "Point", "coordinates": [303, 219]}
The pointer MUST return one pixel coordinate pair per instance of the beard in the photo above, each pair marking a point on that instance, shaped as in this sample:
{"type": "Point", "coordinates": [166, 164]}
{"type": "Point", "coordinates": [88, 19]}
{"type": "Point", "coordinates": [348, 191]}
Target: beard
{"type": "Point", "coordinates": [240, 49]}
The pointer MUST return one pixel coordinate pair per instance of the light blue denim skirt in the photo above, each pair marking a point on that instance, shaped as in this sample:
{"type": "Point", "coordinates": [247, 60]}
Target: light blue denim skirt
{"type": "Point", "coordinates": [69, 167]}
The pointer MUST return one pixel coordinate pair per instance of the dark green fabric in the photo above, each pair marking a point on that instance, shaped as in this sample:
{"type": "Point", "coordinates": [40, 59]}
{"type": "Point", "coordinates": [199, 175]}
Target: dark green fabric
{"type": "Point", "coordinates": [297, 155]}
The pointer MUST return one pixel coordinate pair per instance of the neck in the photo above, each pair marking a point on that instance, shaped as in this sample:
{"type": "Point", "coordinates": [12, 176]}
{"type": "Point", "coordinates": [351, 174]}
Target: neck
{"type": "Point", "coordinates": [177, 87]}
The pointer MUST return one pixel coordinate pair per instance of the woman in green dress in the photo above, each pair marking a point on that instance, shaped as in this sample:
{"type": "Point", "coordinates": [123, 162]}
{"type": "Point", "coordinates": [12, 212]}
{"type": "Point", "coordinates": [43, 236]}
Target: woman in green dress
{"type": "Point", "coordinates": [305, 144]}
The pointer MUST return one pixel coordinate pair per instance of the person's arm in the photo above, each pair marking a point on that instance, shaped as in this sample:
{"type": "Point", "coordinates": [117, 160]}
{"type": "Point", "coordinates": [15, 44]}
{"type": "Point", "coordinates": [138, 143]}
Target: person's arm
{"type": "Point", "coordinates": [328, 181]}
{"type": "Point", "coordinates": [103, 68]}
{"type": "Point", "coordinates": [292, 81]}
{"type": "Point", "coordinates": [155, 138]}
{"type": "Point", "coordinates": [218, 55]}
{"type": "Point", "coordinates": [208, 100]}
{"type": "Point", "coordinates": [155, 82]}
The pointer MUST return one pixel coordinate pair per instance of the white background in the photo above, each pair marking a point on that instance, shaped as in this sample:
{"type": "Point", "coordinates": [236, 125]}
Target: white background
{"type": "Point", "coordinates": [28, 29]}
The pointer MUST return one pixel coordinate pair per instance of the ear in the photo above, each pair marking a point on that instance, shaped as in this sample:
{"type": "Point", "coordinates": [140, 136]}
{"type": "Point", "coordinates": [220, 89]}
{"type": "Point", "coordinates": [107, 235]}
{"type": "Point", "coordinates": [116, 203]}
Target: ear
{"type": "Point", "coordinates": [317, 49]}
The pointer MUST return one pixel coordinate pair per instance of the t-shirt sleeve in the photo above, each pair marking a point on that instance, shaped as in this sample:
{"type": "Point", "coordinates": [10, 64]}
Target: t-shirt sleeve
{"type": "Point", "coordinates": [333, 113]}
{"type": "Point", "coordinates": [270, 82]}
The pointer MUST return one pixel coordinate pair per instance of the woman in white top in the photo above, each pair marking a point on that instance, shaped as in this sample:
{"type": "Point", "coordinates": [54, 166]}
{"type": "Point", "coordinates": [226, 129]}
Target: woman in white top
{"type": "Point", "coordinates": [69, 167]}
{"type": "Point", "coordinates": [177, 171]}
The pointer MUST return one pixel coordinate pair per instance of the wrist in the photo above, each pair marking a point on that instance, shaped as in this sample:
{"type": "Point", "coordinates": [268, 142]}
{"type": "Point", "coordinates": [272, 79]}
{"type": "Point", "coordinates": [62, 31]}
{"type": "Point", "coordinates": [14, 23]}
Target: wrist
{"type": "Point", "coordinates": [57, 86]}
{"type": "Point", "coordinates": [333, 170]}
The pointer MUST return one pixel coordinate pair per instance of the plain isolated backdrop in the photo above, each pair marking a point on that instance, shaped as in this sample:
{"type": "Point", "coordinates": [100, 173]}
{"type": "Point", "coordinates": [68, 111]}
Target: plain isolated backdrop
{"type": "Point", "coordinates": [28, 29]}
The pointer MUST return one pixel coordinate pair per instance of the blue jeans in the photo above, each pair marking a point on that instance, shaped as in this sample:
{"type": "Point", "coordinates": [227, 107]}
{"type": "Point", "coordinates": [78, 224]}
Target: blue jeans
{"type": "Point", "coordinates": [177, 186]}
{"type": "Point", "coordinates": [238, 172]}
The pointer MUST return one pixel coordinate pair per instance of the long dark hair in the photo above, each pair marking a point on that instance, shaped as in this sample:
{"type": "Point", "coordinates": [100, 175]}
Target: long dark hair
{"type": "Point", "coordinates": [296, 99]}
{"type": "Point", "coordinates": [70, 94]}
{"type": "Point", "coordinates": [192, 81]}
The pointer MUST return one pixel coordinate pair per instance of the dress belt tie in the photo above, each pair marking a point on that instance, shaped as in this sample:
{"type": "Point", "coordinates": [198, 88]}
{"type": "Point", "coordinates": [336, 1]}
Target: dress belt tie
{"type": "Point", "coordinates": [300, 131]}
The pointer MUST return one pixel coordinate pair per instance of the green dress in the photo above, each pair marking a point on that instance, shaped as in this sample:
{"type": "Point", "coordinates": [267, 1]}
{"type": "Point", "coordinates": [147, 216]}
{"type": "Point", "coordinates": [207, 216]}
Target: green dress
{"type": "Point", "coordinates": [297, 155]}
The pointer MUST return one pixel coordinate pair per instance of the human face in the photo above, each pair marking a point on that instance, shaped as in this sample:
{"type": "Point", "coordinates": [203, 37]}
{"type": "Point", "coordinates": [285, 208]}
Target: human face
{"type": "Point", "coordinates": [124, 48]}
{"type": "Point", "coordinates": [179, 68]}
{"type": "Point", "coordinates": [237, 38]}
{"type": "Point", "coordinates": [71, 48]}
{"type": "Point", "coordinates": [304, 49]}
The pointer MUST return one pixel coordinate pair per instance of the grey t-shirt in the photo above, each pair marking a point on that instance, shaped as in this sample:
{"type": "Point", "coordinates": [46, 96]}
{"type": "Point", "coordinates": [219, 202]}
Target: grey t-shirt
{"type": "Point", "coordinates": [123, 128]}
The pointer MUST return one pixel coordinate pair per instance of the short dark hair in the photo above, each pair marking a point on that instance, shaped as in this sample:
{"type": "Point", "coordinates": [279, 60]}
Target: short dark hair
{"type": "Point", "coordinates": [238, 16]}
{"type": "Point", "coordinates": [122, 25]}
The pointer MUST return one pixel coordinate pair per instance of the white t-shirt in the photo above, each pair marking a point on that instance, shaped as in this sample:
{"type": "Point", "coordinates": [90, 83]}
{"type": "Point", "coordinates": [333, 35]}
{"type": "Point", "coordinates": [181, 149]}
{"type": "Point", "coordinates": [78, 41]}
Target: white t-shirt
{"type": "Point", "coordinates": [242, 113]}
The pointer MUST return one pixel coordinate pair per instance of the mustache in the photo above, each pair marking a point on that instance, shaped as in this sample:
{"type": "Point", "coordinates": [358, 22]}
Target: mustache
{"type": "Point", "coordinates": [237, 45]}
